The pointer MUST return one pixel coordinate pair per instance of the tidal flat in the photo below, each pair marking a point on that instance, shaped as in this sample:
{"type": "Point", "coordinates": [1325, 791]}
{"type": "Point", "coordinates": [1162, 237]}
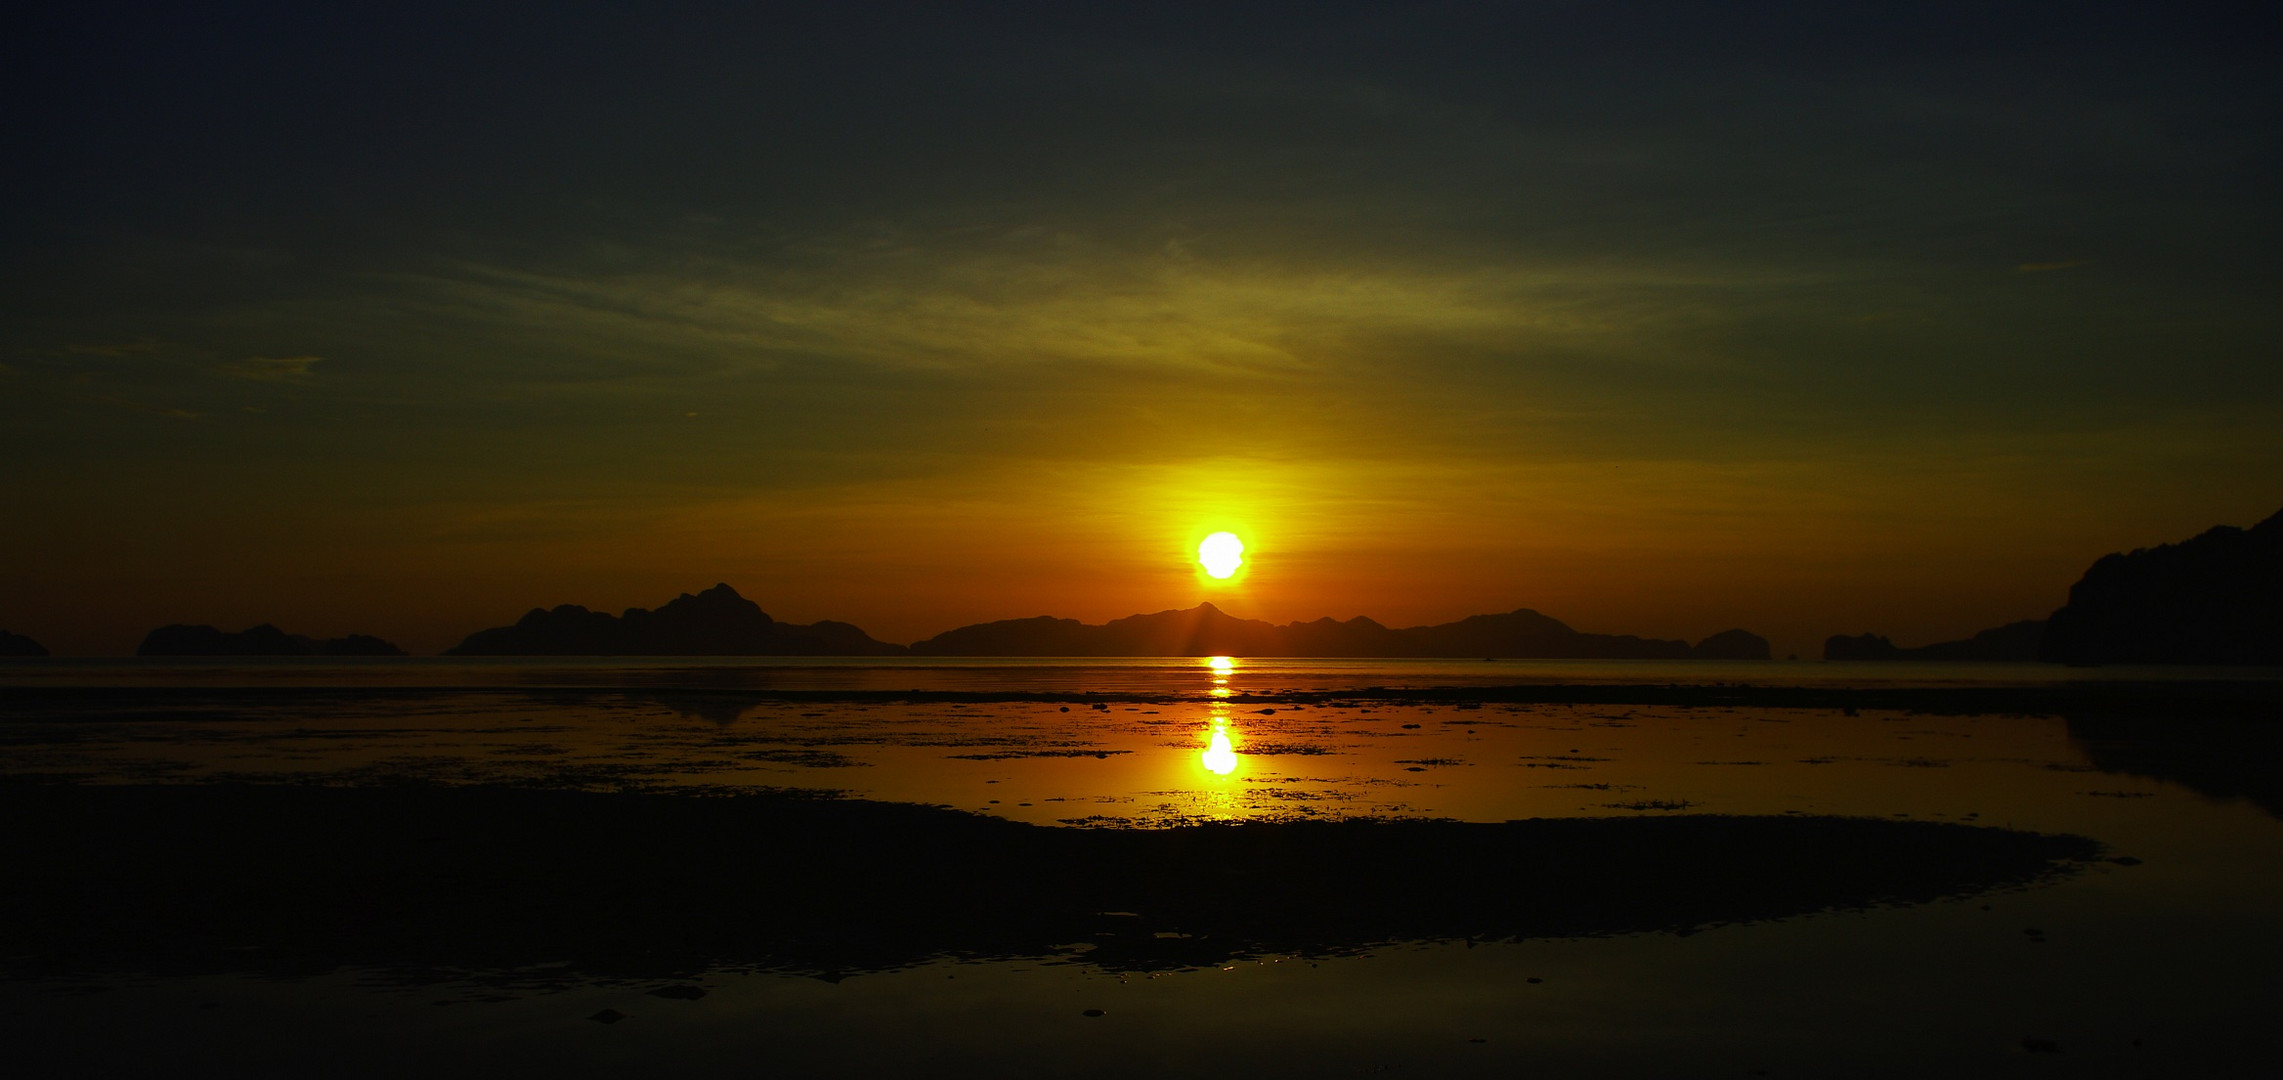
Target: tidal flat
{"type": "Point", "coordinates": [1125, 869]}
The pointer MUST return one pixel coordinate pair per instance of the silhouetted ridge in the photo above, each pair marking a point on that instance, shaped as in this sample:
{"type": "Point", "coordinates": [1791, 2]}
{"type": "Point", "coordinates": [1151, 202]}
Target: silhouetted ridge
{"type": "Point", "coordinates": [19, 645]}
{"type": "Point", "coordinates": [1206, 630]}
{"type": "Point", "coordinates": [2213, 599]}
{"type": "Point", "coordinates": [716, 622]}
{"type": "Point", "coordinates": [263, 640]}
{"type": "Point", "coordinates": [2016, 641]}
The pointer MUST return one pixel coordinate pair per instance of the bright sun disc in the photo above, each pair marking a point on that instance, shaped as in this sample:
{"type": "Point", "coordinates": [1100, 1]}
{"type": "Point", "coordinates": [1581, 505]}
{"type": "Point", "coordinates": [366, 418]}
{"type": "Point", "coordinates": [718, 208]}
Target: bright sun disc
{"type": "Point", "coordinates": [1221, 554]}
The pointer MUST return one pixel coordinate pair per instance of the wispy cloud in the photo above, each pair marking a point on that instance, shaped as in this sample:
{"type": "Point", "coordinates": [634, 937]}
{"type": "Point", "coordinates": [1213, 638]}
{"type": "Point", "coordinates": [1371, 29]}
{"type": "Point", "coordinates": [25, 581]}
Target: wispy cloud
{"type": "Point", "coordinates": [142, 346]}
{"type": "Point", "coordinates": [170, 412]}
{"type": "Point", "coordinates": [1026, 298]}
{"type": "Point", "coordinates": [196, 358]}
{"type": "Point", "coordinates": [271, 368]}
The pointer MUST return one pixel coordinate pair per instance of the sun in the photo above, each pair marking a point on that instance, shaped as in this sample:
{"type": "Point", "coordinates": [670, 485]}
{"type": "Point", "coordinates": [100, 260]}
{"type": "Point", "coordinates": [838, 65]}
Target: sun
{"type": "Point", "coordinates": [1221, 554]}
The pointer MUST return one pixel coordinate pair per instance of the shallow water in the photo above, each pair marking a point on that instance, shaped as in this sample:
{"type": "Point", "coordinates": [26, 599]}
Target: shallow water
{"type": "Point", "coordinates": [996, 675]}
{"type": "Point", "coordinates": [2154, 960]}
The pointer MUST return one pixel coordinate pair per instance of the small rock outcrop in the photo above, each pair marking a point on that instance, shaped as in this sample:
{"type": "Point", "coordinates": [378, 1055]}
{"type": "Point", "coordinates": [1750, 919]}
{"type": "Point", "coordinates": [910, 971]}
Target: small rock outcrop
{"type": "Point", "coordinates": [1731, 645]}
{"type": "Point", "coordinates": [1864, 646]}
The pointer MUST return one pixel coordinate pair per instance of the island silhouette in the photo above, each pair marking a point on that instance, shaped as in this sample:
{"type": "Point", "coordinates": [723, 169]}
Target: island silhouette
{"type": "Point", "coordinates": [716, 622]}
{"type": "Point", "coordinates": [719, 622]}
{"type": "Point", "coordinates": [2013, 642]}
{"type": "Point", "coordinates": [263, 640]}
{"type": "Point", "coordinates": [1206, 630]}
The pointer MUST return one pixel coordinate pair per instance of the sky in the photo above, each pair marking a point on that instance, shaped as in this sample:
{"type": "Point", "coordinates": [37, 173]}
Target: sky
{"type": "Point", "coordinates": [1657, 318]}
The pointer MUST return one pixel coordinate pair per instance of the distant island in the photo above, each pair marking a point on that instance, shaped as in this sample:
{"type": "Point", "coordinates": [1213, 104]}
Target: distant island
{"type": "Point", "coordinates": [716, 622]}
{"type": "Point", "coordinates": [719, 622]}
{"type": "Point", "coordinates": [1206, 630]}
{"type": "Point", "coordinates": [19, 645]}
{"type": "Point", "coordinates": [263, 640]}
{"type": "Point", "coordinates": [2014, 642]}
{"type": "Point", "coordinates": [2214, 599]}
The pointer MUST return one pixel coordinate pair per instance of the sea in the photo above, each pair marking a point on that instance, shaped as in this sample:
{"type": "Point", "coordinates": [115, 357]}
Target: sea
{"type": "Point", "coordinates": [2143, 939]}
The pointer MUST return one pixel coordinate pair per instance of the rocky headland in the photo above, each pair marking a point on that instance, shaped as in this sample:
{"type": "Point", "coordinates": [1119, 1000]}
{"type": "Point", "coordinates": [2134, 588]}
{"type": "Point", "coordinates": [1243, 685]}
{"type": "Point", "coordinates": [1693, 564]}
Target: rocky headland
{"type": "Point", "coordinates": [2214, 599]}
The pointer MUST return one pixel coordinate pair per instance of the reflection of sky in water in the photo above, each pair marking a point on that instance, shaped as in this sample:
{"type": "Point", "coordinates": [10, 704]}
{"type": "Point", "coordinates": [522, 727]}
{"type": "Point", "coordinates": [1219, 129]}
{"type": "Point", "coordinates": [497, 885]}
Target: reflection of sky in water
{"type": "Point", "coordinates": [1112, 760]}
{"type": "Point", "coordinates": [1175, 753]}
{"type": "Point", "coordinates": [2211, 869]}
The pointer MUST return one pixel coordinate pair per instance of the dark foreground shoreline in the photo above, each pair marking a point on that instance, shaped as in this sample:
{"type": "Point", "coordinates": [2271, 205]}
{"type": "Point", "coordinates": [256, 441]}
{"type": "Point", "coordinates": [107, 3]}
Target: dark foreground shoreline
{"type": "Point", "coordinates": [433, 882]}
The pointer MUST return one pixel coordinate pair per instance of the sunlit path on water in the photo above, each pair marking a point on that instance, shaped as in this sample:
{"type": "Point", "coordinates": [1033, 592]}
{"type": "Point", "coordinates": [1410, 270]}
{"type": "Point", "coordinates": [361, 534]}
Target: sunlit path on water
{"type": "Point", "coordinates": [1219, 757]}
{"type": "Point", "coordinates": [1232, 739]}
{"type": "Point", "coordinates": [1201, 738]}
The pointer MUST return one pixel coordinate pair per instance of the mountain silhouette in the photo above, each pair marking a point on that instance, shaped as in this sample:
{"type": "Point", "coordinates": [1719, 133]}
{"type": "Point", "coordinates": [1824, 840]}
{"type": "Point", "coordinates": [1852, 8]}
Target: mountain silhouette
{"type": "Point", "coordinates": [2016, 641]}
{"type": "Point", "coordinates": [1206, 630]}
{"type": "Point", "coordinates": [263, 640]}
{"type": "Point", "coordinates": [716, 622]}
{"type": "Point", "coordinates": [719, 622]}
{"type": "Point", "coordinates": [2213, 599]}
{"type": "Point", "coordinates": [19, 645]}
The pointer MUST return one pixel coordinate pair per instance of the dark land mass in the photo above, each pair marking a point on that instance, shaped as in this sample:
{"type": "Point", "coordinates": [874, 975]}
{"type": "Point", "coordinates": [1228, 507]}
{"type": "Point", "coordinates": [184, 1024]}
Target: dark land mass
{"type": "Point", "coordinates": [2213, 599]}
{"type": "Point", "coordinates": [432, 882]}
{"type": "Point", "coordinates": [19, 645]}
{"type": "Point", "coordinates": [263, 640]}
{"type": "Point", "coordinates": [716, 622]}
{"type": "Point", "coordinates": [719, 622]}
{"type": "Point", "coordinates": [1206, 630]}
{"type": "Point", "coordinates": [2013, 642]}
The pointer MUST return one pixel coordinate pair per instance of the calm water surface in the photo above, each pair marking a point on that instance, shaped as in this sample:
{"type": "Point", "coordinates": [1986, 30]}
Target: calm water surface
{"type": "Point", "coordinates": [2157, 960]}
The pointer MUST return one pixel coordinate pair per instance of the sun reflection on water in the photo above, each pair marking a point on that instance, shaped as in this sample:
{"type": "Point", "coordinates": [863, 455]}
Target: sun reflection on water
{"type": "Point", "coordinates": [1221, 667]}
{"type": "Point", "coordinates": [1220, 754]}
{"type": "Point", "coordinates": [1220, 758]}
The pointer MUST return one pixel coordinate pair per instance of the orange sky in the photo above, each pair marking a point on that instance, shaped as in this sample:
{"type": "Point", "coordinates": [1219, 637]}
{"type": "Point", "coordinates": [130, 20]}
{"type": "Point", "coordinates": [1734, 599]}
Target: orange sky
{"type": "Point", "coordinates": [1657, 325]}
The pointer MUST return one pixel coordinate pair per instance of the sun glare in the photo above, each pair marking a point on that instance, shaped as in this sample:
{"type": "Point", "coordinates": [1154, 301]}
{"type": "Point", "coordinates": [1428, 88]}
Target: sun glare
{"type": "Point", "coordinates": [1221, 554]}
